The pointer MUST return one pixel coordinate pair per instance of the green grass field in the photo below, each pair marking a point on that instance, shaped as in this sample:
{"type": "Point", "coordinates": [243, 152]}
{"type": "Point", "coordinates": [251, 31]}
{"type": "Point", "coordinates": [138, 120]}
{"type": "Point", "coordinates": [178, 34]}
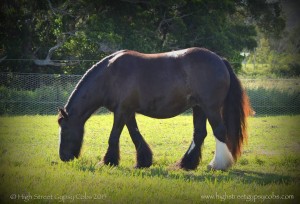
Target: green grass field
{"type": "Point", "coordinates": [30, 169]}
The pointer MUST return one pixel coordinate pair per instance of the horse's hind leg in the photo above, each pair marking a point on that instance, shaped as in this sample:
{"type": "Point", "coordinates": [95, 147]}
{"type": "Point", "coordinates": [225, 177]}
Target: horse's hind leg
{"type": "Point", "coordinates": [222, 159]}
{"type": "Point", "coordinates": [144, 153]}
{"type": "Point", "coordinates": [192, 157]}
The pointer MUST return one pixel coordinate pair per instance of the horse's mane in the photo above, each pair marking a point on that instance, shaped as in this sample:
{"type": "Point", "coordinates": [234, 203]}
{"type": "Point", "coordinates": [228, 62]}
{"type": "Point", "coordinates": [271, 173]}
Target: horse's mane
{"type": "Point", "coordinates": [95, 69]}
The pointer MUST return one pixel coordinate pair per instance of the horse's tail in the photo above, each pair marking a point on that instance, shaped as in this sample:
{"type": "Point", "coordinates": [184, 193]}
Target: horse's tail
{"type": "Point", "coordinates": [235, 111]}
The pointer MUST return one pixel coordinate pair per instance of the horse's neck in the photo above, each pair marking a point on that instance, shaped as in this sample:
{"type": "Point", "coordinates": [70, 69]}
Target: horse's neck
{"type": "Point", "coordinates": [85, 99]}
{"type": "Point", "coordinates": [89, 93]}
{"type": "Point", "coordinates": [80, 113]}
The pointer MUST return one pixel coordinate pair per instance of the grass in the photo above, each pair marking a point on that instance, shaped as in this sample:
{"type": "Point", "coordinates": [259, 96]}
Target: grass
{"type": "Point", "coordinates": [30, 169]}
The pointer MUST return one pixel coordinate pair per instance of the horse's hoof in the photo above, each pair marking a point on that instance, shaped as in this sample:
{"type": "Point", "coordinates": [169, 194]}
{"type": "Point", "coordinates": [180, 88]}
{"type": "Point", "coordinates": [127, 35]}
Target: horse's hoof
{"type": "Point", "coordinates": [186, 167]}
{"type": "Point", "coordinates": [223, 159]}
{"type": "Point", "coordinates": [110, 163]}
{"type": "Point", "coordinates": [144, 159]}
{"type": "Point", "coordinates": [211, 167]}
{"type": "Point", "coordinates": [142, 166]}
{"type": "Point", "coordinates": [138, 167]}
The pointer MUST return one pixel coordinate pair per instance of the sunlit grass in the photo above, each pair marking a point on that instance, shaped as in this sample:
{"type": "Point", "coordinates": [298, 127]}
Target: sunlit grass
{"type": "Point", "coordinates": [30, 166]}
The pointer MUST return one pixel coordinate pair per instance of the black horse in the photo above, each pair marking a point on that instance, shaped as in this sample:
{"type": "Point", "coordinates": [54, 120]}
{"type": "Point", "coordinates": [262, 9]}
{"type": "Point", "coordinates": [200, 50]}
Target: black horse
{"type": "Point", "coordinates": [160, 85]}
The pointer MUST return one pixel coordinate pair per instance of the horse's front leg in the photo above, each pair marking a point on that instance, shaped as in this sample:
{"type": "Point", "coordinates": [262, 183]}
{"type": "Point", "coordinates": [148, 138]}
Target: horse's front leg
{"type": "Point", "coordinates": [112, 155]}
{"type": "Point", "coordinates": [144, 153]}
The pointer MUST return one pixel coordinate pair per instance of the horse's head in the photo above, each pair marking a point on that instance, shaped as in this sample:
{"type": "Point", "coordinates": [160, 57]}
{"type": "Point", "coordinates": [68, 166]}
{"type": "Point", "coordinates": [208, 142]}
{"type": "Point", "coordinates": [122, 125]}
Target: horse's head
{"type": "Point", "coordinates": [71, 135]}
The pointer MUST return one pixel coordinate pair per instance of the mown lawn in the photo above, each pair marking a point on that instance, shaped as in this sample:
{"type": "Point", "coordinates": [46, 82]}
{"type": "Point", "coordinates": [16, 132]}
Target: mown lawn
{"type": "Point", "coordinates": [30, 169]}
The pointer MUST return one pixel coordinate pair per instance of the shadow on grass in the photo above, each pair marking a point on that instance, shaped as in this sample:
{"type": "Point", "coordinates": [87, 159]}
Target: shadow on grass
{"type": "Point", "coordinates": [219, 176]}
{"type": "Point", "coordinates": [262, 178]}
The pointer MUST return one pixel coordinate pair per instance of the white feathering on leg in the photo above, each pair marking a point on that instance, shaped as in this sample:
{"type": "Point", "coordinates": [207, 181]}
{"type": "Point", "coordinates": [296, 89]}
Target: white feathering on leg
{"type": "Point", "coordinates": [223, 158]}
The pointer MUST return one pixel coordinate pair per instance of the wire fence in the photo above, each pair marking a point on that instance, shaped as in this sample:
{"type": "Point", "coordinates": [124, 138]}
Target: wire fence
{"type": "Point", "coordinates": [29, 94]}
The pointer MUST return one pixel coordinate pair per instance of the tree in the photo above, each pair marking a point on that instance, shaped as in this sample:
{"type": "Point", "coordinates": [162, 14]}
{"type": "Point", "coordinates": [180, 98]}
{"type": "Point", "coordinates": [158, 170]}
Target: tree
{"type": "Point", "coordinates": [48, 31]}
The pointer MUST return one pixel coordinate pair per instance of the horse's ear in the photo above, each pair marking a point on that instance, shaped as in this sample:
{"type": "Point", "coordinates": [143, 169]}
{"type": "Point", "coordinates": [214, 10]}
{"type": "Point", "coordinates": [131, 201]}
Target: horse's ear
{"type": "Point", "coordinates": [62, 113]}
{"type": "Point", "coordinates": [60, 120]}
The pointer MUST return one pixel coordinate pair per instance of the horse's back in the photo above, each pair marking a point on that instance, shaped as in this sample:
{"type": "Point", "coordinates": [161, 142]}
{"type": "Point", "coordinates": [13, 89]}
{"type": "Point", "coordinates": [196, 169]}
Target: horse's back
{"type": "Point", "coordinates": [188, 60]}
{"type": "Point", "coordinates": [189, 67]}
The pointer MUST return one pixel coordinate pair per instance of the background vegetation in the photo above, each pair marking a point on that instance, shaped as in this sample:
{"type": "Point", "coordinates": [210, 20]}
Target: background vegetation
{"type": "Point", "coordinates": [62, 36]}
{"type": "Point", "coordinates": [268, 97]}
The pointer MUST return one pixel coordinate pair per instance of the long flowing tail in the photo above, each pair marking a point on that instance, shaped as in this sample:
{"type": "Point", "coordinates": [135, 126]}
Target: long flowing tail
{"type": "Point", "coordinates": [235, 111]}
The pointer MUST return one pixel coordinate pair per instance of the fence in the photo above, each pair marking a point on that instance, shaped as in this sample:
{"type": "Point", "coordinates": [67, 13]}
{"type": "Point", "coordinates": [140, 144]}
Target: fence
{"type": "Point", "coordinates": [42, 93]}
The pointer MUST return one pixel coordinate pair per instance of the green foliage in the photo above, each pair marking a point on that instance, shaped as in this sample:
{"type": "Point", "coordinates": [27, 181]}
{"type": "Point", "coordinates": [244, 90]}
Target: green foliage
{"type": "Point", "coordinates": [268, 17]}
{"type": "Point", "coordinates": [30, 166]}
{"type": "Point", "coordinates": [268, 62]}
{"type": "Point", "coordinates": [91, 29]}
{"type": "Point", "coordinates": [287, 65]}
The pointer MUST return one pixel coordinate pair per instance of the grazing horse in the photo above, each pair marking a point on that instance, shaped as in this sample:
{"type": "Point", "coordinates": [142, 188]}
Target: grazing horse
{"type": "Point", "coordinates": [160, 85]}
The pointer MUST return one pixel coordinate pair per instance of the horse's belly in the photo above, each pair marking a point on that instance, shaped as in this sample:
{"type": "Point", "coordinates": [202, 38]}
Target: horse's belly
{"type": "Point", "coordinates": [161, 110]}
{"type": "Point", "coordinates": [162, 115]}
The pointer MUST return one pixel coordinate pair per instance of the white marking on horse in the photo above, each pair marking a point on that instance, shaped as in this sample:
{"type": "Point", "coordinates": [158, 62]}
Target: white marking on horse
{"type": "Point", "coordinates": [223, 158]}
{"type": "Point", "coordinates": [176, 53]}
{"type": "Point", "coordinates": [117, 54]}
{"type": "Point", "coordinates": [192, 147]}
